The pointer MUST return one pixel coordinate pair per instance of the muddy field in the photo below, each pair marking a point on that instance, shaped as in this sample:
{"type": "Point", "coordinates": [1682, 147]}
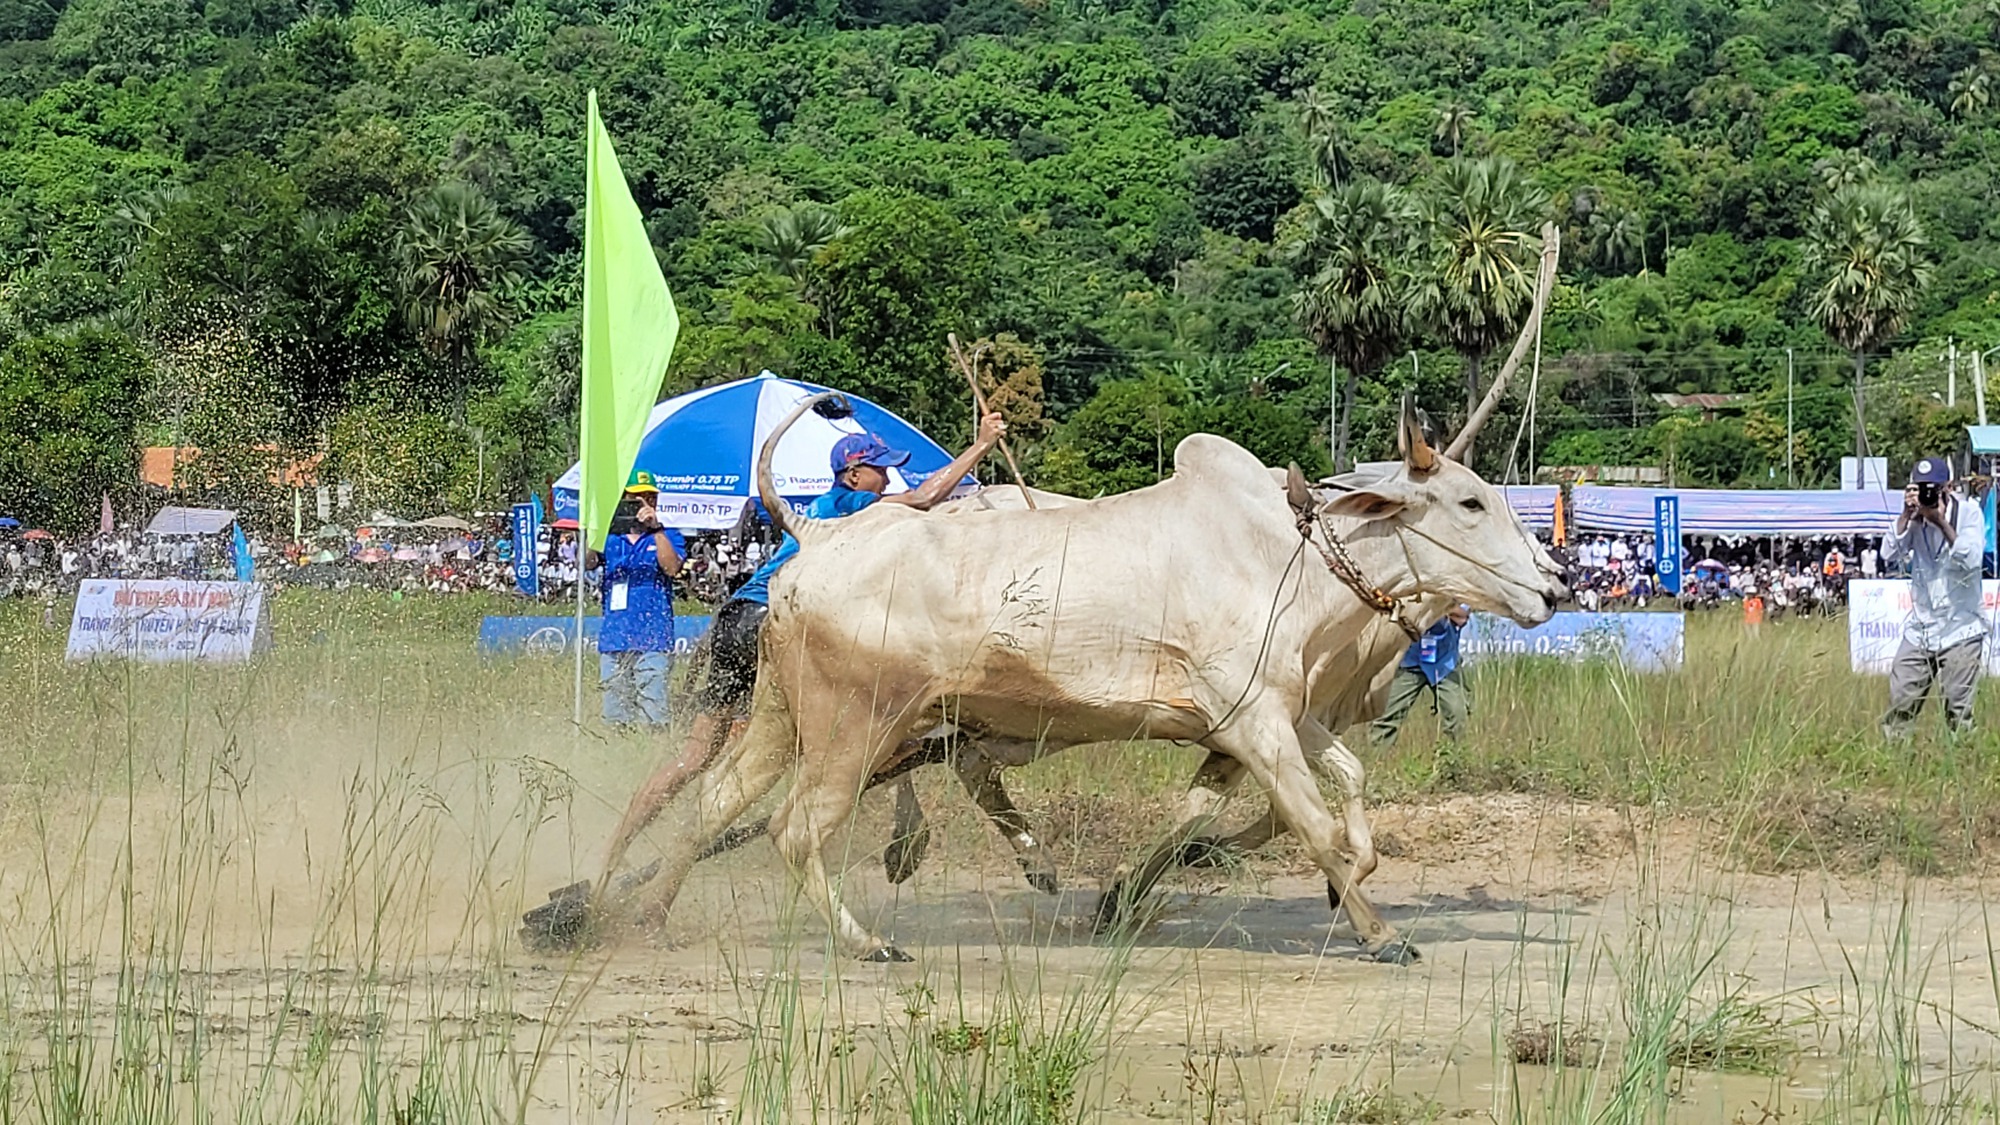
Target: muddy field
{"type": "Point", "coordinates": [273, 979]}
{"type": "Point", "coordinates": [290, 893]}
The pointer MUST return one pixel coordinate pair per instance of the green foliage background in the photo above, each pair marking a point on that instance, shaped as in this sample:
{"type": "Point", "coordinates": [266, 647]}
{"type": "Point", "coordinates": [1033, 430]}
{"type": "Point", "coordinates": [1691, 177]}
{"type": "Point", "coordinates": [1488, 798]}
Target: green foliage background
{"type": "Point", "coordinates": [1117, 184]}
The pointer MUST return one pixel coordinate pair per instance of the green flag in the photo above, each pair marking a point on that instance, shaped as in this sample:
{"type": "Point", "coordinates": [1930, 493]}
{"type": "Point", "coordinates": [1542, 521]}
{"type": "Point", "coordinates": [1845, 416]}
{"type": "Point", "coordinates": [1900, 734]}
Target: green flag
{"type": "Point", "coordinates": [629, 328]}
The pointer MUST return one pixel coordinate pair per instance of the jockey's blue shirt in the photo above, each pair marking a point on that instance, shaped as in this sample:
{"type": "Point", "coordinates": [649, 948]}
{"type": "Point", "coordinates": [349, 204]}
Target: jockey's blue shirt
{"type": "Point", "coordinates": [637, 598]}
{"type": "Point", "coordinates": [839, 501]}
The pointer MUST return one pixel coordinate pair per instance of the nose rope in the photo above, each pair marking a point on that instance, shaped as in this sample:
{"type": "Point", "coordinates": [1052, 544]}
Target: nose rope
{"type": "Point", "coordinates": [1334, 553]}
{"type": "Point", "coordinates": [1448, 549]}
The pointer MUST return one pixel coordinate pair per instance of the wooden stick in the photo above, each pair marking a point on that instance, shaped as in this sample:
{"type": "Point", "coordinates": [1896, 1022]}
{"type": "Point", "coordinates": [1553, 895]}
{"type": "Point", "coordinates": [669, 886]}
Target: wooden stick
{"type": "Point", "coordinates": [1545, 283]}
{"type": "Point", "coordinates": [979, 404]}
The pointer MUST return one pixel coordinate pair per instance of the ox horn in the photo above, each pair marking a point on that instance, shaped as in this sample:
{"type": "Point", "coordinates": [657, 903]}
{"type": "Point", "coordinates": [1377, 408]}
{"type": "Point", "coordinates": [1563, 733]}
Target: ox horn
{"type": "Point", "coordinates": [1531, 331]}
{"type": "Point", "coordinates": [767, 488]}
{"type": "Point", "coordinates": [1297, 491]}
{"type": "Point", "coordinates": [1417, 451]}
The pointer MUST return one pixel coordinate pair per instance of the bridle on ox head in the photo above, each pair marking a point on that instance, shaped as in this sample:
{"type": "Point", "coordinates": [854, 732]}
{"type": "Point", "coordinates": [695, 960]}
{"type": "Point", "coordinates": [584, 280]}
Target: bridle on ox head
{"type": "Point", "coordinates": [1333, 551]}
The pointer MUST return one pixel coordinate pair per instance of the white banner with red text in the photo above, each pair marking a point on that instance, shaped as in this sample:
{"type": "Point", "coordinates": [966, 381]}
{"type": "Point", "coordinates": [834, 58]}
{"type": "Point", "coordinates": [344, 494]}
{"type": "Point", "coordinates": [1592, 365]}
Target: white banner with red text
{"type": "Point", "coordinates": [167, 620]}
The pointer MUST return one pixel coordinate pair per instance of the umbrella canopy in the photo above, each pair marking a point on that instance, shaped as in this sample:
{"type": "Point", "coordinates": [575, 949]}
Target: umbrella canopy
{"type": "Point", "coordinates": [37, 533]}
{"type": "Point", "coordinates": [701, 448]}
{"type": "Point", "coordinates": [9, 521]}
{"type": "Point", "coordinates": [446, 523]}
{"type": "Point", "coordinates": [329, 531]}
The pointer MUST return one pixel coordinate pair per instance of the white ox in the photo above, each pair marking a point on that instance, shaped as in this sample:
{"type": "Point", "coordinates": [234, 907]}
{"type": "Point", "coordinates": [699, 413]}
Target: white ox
{"type": "Point", "coordinates": [1196, 609]}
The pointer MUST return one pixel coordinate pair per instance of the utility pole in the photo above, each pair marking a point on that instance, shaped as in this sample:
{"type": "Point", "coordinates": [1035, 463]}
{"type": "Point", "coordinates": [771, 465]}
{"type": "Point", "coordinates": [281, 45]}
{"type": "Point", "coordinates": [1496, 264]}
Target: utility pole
{"type": "Point", "coordinates": [1979, 382]}
{"type": "Point", "coordinates": [1791, 481]}
{"type": "Point", "coordinates": [1951, 380]}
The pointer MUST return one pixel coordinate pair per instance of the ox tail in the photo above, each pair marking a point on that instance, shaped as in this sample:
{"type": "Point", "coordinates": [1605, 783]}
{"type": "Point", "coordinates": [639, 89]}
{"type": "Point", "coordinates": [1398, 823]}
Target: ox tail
{"type": "Point", "coordinates": [767, 488]}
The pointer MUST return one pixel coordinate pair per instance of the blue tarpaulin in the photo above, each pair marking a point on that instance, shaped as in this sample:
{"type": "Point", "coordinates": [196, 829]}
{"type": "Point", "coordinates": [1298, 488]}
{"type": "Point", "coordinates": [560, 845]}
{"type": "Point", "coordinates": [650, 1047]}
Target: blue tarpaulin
{"type": "Point", "coordinates": [1739, 512]}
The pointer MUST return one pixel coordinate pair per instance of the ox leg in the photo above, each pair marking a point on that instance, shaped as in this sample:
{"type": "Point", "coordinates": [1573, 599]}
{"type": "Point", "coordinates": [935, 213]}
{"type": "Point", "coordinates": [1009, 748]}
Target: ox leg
{"type": "Point", "coordinates": [1274, 753]}
{"type": "Point", "coordinates": [752, 768]}
{"type": "Point", "coordinates": [909, 839]}
{"type": "Point", "coordinates": [981, 777]}
{"type": "Point", "coordinates": [834, 766]}
{"type": "Point", "coordinates": [1204, 797]}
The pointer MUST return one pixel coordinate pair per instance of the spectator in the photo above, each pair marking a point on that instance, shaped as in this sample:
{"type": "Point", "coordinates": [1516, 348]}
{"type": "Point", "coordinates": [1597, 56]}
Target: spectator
{"type": "Point", "coordinates": [1431, 662]}
{"type": "Point", "coordinates": [1944, 640]}
{"type": "Point", "coordinates": [635, 643]}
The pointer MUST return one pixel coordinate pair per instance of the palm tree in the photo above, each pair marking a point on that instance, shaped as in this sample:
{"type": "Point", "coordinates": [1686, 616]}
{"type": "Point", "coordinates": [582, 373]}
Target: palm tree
{"type": "Point", "coordinates": [1617, 238]}
{"type": "Point", "coordinates": [1481, 282]}
{"type": "Point", "coordinates": [459, 262]}
{"type": "Point", "coordinates": [793, 237]}
{"type": "Point", "coordinates": [1971, 92]}
{"type": "Point", "coordinates": [1354, 303]}
{"type": "Point", "coordinates": [1322, 129]}
{"type": "Point", "coordinates": [1846, 168]}
{"type": "Point", "coordinates": [1452, 122]}
{"type": "Point", "coordinates": [1866, 261]}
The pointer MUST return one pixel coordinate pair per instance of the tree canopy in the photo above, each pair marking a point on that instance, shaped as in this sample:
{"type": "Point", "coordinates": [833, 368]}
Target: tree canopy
{"type": "Point", "coordinates": [1175, 214]}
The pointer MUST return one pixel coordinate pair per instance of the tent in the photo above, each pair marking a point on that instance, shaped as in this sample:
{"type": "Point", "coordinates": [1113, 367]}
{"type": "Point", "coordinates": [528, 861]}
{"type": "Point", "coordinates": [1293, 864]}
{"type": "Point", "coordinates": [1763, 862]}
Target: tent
{"type": "Point", "coordinates": [1535, 504]}
{"type": "Point", "coordinates": [1739, 512]}
{"type": "Point", "coordinates": [701, 448]}
{"type": "Point", "coordinates": [191, 521]}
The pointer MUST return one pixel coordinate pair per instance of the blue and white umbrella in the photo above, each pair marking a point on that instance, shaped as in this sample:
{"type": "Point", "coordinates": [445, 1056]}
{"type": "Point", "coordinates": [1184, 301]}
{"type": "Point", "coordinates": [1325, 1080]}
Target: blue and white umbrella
{"type": "Point", "coordinates": [701, 448]}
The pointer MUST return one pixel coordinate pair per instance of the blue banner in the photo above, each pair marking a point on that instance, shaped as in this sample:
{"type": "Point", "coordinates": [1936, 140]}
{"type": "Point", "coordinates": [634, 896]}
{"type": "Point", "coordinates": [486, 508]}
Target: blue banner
{"type": "Point", "coordinates": [527, 571]}
{"type": "Point", "coordinates": [1644, 642]}
{"type": "Point", "coordinates": [553, 634]}
{"type": "Point", "coordinates": [1667, 542]}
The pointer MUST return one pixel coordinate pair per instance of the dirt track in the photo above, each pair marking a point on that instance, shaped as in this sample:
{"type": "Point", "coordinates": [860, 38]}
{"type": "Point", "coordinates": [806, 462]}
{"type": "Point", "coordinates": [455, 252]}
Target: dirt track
{"type": "Point", "coordinates": [1239, 994]}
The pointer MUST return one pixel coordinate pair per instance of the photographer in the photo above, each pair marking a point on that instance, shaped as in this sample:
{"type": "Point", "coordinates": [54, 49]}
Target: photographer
{"type": "Point", "coordinates": [636, 642]}
{"type": "Point", "coordinates": [1945, 639]}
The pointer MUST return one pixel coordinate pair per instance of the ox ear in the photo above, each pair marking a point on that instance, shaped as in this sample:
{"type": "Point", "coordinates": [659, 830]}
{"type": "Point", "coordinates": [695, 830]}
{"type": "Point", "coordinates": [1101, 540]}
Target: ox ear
{"type": "Point", "coordinates": [1417, 451]}
{"type": "Point", "coordinates": [1297, 491]}
{"type": "Point", "coordinates": [1376, 502]}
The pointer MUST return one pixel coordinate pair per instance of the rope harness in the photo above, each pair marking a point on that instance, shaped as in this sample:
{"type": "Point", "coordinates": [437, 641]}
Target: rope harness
{"type": "Point", "coordinates": [1334, 553]}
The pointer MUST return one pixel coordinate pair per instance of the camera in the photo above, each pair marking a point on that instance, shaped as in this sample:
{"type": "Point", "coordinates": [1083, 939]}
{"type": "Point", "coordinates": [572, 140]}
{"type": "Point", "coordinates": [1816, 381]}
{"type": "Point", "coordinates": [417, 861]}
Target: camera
{"type": "Point", "coordinates": [625, 518]}
{"type": "Point", "coordinates": [1928, 494]}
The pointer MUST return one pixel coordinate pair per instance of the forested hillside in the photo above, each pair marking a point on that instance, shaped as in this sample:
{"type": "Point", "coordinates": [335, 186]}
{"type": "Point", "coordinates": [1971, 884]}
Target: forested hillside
{"type": "Point", "coordinates": [269, 229]}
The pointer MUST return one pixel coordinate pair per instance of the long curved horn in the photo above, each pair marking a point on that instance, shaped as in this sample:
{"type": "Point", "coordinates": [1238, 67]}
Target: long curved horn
{"type": "Point", "coordinates": [1545, 283]}
{"type": "Point", "coordinates": [1418, 453]}
{"type": "Point", "coordinates": [767, 488]}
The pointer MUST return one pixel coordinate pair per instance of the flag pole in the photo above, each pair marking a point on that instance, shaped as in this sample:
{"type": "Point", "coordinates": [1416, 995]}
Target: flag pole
{"type": "Point", "coordinates": [577, 696]}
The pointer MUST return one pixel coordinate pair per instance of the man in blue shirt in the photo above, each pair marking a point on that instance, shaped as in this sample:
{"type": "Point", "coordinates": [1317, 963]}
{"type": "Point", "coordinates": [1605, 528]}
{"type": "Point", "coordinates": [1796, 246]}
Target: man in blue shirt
{"type": "Point", "coordinates": [635, 643]}
{"type": "Point", "coordinates": [1432, 662]}
{"type": "Point", "coordinates": [861, 464]}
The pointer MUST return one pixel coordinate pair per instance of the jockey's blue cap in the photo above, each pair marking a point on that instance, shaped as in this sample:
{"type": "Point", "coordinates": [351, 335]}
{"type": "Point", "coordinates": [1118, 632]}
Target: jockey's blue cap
{"type": "Point", "coordinates": [1931, 470]}
{"type": "Point", "coordinates": [864, 449]}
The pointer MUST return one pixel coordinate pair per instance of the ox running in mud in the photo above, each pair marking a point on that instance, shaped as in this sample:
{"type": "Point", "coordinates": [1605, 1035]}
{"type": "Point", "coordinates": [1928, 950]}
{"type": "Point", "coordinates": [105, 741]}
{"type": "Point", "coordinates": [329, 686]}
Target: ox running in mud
{"type": "Point", "coordinates": [1029, 638]}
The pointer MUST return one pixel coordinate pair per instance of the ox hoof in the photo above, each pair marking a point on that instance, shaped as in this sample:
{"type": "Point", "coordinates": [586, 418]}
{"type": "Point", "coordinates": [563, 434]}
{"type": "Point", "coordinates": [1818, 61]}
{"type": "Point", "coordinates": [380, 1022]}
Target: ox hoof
{"type": "Point", "coordinates": [1206, 851]}
{"type": "Point", "coordinates": [905, 854]}
{"type": "Point", "coordinates": [887, 955]}
{"type": "Point", "coordinates": [1397, 952]}
{"type": "Point", "coordinates": [1332, 895]}
{"type": "Point", "coordinates": [1042, 879]}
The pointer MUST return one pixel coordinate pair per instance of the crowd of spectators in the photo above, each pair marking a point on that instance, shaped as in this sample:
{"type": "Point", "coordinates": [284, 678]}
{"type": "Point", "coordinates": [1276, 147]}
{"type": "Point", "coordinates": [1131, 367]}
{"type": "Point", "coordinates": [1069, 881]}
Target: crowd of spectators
{"type": "Point", "coordinates": [1797, 576]}
{"type": "Point", "coordinates": [1604, 572]}
{"type": "Point", "coordinates": [409, 559]}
